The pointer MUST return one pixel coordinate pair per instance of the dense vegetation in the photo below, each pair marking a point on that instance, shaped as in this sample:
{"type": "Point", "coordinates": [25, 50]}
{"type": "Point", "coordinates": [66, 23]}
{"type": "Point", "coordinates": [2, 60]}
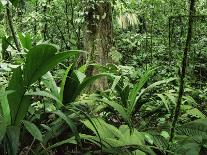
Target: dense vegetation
{"type": "Point", "coordinates": [103, 77]}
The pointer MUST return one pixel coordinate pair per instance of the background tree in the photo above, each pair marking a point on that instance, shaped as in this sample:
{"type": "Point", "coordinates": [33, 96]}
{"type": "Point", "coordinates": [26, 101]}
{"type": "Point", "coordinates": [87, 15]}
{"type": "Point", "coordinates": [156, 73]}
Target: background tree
{"type": "Point", "coordinates": [98, 34]}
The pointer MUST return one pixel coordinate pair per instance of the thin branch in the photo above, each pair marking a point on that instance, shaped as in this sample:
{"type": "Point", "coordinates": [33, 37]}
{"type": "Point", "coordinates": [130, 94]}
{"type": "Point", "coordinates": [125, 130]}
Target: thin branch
{"type": "Point", "coordinates": [11, 27]}
{"type": "Point", "coordinates": [184, 66]}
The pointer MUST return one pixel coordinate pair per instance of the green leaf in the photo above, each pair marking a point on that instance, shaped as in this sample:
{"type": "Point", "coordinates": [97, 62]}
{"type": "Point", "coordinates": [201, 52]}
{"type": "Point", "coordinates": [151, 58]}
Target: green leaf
{"type": "Point", "coordinates": [4, 106]}
{"type": "Point", "coordinates": [33, 130]}
{"type": "Point", "coordinates": [194, 112]}
{"type": "Point", "coordinates": [67, 141]}
{"type": "Point", "coordinates": [25, 40]}
{"type": "Point", "coordinates": [49, 81]}
{"type": "Point", "coordinates": [121, 110]}
{"type": "Point", "coordinates": [70, 123]}
{"type": "Point", "coordinates": [18, 103]}
{"type": "Point", "coordinates": [3, 126]}
{"type": "Point", "coordinates": [197, 128]}
{"type": "Point", "coordinates": [188, 146]}
{"type": "Point", "coordinates": [70, 84]}
{"type": "Point", "coordinates": [165, 101]}
{"type": "Point", "coordinates": [133, 93]}
{"type": "Point", "coordinates": [99, 126]}
{"type": "Point", "coordinates": [63, 82]}
{"type": "Point", "coordinates": [40, 60]}
{"type": "Point", "coordinates": [12, 140]}
{"type": "Point", "coordinates": [150, 87]}
{"type": "Point", "coordinates": [88, 81]}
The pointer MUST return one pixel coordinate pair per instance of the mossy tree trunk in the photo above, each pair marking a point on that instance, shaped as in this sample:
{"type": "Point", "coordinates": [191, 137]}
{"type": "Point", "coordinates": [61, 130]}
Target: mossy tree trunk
{"type": "Point", "coordinates": [98, 35]}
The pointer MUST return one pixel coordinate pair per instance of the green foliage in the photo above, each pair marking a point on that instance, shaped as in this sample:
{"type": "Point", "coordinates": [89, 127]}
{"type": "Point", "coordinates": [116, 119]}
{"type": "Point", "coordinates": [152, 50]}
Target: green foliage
{"type": "Point", "coordinates": [35, 67]}
{"type": "Point", "coordinates": [129, 98]}
{"type": "Point", "coordinates": [33, 130]}
{"type": "Point", "coordinates": [25, 40]}
{"type": "Point", "coordinates": [70, 123]}
{"type": "Point", "coordinates": [48, 107]}
{"type": "Point", "coordinates": [113, 138]}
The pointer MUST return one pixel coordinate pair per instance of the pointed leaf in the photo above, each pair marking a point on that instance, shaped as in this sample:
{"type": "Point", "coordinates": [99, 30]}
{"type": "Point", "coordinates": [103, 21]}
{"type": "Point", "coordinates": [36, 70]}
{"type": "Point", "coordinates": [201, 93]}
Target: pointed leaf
{"type": "Point", "coordinates": [133, 93]}
{"type": "Point", "coordinates": [18, 103]}
{"type": "Point", "coordinates": [12, 140]}
{"type": "Point", "coordinates": [40, 60]}
{"type": "Point", "coordinates": [33, 130]}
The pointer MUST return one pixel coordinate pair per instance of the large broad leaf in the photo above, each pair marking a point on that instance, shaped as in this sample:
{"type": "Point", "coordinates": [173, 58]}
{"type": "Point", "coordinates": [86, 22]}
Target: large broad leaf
{"type": "Point", "coordinates": [18, 103]}
{"type": "Point", "coordinates": [70, 84]}
{"type": "Point", "coordinates": [33, 130]}
{"type": "Point", "coordinates": [67, 74]}
{"type": "Point", "coordinates": [193, 137]}
{"type": "Point", "coordinates": [123, 92]}
{"type": "Point", "coordinates": [12, 140]}
{"type": "Point", "coordinates": [114, 139]}
{"type": "Point", "coordinates": [5, 117]}
{"type": "Point", "coordinates": [188, 146]}
{"type": "Point", "coordinates": [40, 60]}
{"type": "Point", "coordinates": [99, 126]}
{"type": "Point", "coordinates": [74, 82]}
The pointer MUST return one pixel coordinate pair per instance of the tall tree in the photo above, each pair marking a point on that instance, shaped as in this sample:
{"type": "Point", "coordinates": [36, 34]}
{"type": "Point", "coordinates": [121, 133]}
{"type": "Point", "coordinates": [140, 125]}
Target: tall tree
{"type": "Point", "coordinates": [98, 34]}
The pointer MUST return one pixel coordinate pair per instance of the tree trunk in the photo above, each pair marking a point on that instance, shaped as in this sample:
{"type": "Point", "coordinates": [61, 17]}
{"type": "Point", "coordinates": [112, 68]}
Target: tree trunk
{"type": "Point", "coordinates": [98, 36]}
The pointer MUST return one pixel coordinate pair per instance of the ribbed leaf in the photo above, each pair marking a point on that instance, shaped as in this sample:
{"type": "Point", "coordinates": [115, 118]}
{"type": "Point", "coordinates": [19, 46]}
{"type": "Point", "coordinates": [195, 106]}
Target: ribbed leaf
{"type": "Point", "coordinates": [104, 129]}
{"type": "Point", "coordinates": [165, 101]}
{"type": "Point", "coordinates": [88, 81]}
{"type": "Point", "coordinates": [196, 128]}
{"type": "Point", "coordinates": [3, 126]}
{"type": "Point", "coordinates": [33, 130]}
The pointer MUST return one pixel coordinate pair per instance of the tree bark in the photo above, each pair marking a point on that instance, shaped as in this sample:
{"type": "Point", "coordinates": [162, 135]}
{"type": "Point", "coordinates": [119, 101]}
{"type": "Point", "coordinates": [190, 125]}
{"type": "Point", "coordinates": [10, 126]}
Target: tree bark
{"type": "Point", "coordinates": [98, 36]}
